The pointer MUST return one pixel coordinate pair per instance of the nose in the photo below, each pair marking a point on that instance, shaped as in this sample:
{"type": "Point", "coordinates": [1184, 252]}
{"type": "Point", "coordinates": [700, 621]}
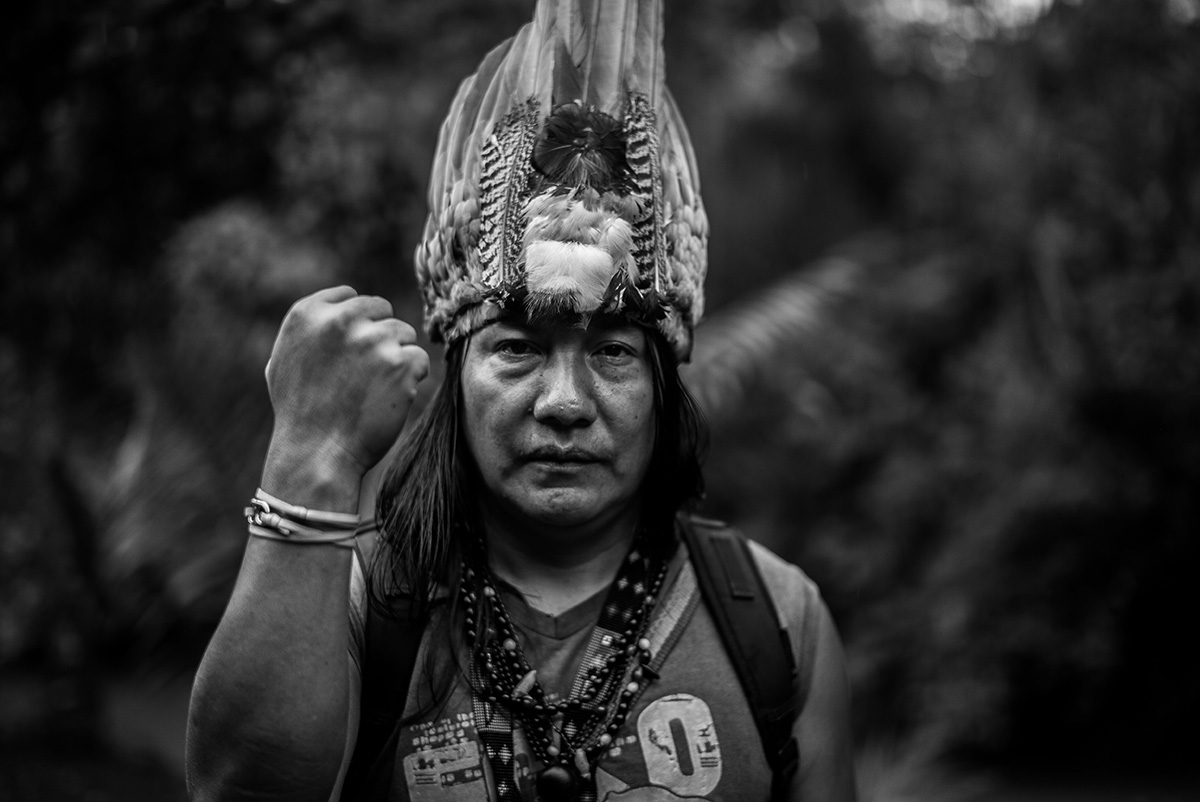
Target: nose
{"type": "Point", "coordinates": [565, 397]}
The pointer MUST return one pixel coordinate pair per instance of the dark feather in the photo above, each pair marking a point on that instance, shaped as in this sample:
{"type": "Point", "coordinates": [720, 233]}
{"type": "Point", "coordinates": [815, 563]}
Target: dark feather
{"type": "Point", "coordinates": [580, 146]}
{"type": "Point", "coordinates": [568, 83]}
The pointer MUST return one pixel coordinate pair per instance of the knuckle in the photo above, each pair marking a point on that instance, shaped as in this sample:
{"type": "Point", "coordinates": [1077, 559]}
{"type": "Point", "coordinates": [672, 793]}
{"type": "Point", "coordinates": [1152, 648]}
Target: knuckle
{"type": "Point", "coordinates": [384, 304]}
{"type": "Point", "coordinates": [405, 332]}
{"type": "Point", "coordinates": [409, 360]}
{"type": "Point", "coordinates": [419, 361]}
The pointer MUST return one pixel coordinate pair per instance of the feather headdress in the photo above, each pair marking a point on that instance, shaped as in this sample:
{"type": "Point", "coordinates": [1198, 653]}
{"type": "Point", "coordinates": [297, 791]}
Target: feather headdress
{"type": "Point", "coordinates": [564, 181]}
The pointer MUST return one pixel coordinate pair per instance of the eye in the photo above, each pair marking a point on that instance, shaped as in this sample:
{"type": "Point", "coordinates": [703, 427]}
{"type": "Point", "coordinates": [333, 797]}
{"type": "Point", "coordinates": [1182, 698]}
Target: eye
{"type": "Point", "coordinates": [516, 348]}
{"type": "Point", "coordinates": [616, 351]}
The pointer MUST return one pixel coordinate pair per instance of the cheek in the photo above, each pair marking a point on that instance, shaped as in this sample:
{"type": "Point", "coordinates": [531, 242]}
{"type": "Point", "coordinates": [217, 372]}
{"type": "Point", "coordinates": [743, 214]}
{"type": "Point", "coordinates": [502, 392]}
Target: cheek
{"type": "Point", "coordinates": [635, 413]}
{"type": "Point", "coordinates": [492, 412]}
{"type": "Point", "coordinates": [477, 404]}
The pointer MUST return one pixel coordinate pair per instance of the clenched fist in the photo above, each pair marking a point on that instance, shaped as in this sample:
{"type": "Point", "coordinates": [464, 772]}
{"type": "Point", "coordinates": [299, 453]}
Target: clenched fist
{"type": "Point", "coordinates": [342, 378]}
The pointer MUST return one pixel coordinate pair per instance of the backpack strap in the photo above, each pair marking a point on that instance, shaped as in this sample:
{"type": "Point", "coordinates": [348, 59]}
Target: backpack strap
{"type": "Point", "coordinates": [390, 646]}
{"type": "Point", "coordinates": [758, 646]}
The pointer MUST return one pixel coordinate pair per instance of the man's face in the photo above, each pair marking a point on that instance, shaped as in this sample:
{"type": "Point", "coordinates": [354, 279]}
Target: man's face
{"type": "Point", "coordinates": [560, 420]}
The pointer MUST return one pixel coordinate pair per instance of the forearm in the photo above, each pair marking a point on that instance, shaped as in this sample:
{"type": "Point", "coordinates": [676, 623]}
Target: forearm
{"type": "Point", "coordinates": [272, 697]}
{"type": "Point", "coordinates": [269, 706]}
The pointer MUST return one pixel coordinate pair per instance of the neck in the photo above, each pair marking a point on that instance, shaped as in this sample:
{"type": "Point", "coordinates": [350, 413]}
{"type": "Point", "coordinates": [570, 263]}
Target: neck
{"type": "Point", "coordinates": [557, 567]}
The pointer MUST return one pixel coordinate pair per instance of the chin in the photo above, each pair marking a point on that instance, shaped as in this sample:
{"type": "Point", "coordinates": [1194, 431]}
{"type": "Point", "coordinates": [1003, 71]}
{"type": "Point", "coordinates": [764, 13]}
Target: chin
{"type": "Point", "coordinates": [561, 509]}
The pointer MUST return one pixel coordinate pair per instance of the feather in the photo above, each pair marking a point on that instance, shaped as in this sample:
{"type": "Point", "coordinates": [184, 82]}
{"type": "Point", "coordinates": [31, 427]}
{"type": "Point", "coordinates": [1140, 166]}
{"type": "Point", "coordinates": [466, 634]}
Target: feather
{"type": "Point", "coordinates": [572, 273]}
{"type": "Point", "coordinates": [568, 82]}
{"type": "Point", "coordinates": [608, 41]}
{"type": "Point", "coordinates": [581, 146]}
{"type": "Point", "coordinates": [564, 181]}
{"type": "Point", "coordinates": [502, 187]}
{"type": "Point", "coordinates": [645, 73]}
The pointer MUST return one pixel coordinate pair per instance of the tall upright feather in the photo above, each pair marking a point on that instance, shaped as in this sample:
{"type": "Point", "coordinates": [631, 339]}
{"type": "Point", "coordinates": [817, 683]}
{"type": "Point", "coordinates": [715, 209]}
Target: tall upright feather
{"type": "Point", "coordinates": [618, 46]}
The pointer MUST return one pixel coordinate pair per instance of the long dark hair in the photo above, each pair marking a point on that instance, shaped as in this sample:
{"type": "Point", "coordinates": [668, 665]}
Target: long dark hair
{"type": "Point", "coordinates": [425, 508]}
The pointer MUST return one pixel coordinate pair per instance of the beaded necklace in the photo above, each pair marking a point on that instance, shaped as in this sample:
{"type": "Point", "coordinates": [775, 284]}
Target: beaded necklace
{"type": "Point", "coordinates": [569, 735]}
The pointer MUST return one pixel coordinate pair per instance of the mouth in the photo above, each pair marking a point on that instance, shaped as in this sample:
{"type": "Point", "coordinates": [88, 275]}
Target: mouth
{"type": "Point", "coordinates": [561, 456]}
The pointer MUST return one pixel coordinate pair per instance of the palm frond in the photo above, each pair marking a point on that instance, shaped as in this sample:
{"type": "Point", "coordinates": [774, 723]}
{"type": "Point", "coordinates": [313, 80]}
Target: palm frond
{"type": "Point", "coordinates": [740, 343]}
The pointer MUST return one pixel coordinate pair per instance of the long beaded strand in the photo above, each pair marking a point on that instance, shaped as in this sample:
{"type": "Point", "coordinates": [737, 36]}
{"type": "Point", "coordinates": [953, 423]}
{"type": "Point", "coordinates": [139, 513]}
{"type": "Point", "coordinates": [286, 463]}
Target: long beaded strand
{"type": "Point", "coordinates": [568, 736]}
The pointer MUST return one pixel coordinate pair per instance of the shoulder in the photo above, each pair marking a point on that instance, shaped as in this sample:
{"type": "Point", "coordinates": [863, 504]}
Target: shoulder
{"type": "Point", "coordinates": [822, 729]}
{"type": "Point", "coordinates": [791, 589]}
{"type": "Point", "coordinates": [794, 594]}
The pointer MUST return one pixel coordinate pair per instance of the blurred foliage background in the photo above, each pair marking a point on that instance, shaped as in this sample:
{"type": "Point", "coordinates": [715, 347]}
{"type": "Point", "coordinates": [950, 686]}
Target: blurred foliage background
{"type": "Point", "coordinates": [952, 364]}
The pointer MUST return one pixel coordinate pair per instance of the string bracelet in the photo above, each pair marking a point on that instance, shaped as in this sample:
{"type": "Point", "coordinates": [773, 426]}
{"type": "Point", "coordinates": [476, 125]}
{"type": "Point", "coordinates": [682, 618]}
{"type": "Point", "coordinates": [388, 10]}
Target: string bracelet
{"type": "Point", "coordinates": [342, 539]}
{"type": "Point", "coordinates": [335, 520]}
{"type": "Point", "coordinates": [271, 518]}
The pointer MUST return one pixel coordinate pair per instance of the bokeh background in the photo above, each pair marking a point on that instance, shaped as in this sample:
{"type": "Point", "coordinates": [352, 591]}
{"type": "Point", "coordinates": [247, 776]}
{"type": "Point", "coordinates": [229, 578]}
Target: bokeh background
{"type": "Point", "coordinates": [952, 363]}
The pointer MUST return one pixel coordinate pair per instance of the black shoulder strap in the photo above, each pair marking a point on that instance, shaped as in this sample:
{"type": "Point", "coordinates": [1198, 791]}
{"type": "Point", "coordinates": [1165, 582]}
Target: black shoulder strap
{"type": "Point", "coordinates": [390, 646]}
{"type": "Point", "coordinates": [758, 646]}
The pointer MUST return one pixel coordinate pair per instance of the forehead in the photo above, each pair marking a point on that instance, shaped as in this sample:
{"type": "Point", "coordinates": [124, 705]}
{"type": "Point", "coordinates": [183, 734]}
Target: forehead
{"type": "Point", "coordinates": [570, 326]}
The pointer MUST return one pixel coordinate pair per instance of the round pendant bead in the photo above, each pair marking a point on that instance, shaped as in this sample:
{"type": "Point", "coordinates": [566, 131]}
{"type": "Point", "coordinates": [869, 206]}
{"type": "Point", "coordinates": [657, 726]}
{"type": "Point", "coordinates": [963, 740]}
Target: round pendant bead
{"type": "Point", "coordinates": [557, 784]}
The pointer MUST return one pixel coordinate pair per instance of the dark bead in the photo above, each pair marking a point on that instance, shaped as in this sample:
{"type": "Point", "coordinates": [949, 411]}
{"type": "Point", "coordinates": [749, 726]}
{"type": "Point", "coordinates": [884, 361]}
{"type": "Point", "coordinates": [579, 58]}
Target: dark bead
{"type": "Point", "coordinates": [557, 784]}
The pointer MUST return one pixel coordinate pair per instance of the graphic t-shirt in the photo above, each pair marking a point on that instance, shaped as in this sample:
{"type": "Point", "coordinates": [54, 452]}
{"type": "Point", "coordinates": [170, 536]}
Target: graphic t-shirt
{"type": "Point", "coordinates": [690, 734]}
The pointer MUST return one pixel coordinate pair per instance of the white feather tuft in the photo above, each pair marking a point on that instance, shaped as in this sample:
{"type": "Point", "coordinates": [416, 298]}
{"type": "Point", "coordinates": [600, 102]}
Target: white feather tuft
{"type": "Point", "coordinates": [568, 270]}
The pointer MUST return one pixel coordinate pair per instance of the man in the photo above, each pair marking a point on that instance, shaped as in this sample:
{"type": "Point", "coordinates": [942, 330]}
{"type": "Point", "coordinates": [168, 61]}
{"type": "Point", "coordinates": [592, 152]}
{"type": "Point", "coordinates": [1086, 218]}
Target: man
{"type": "Point", "coordinates": [530, 521]}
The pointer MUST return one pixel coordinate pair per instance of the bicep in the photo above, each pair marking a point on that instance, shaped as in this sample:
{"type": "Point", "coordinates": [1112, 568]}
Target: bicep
{"type": "Point", "coordinates": [354, 685]}
{"type": "Point", "coordinates": [355, 647]}
{"type": "Point", "coordinates": [822, 730]}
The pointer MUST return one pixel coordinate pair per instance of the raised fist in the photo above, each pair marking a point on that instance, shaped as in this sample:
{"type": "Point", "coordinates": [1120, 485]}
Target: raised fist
{"type": "Point", "coordinates": [342, 378]}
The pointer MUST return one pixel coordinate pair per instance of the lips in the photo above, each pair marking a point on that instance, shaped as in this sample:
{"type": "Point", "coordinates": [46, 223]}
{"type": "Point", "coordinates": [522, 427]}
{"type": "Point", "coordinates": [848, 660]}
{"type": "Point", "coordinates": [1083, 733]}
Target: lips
{"type": "Point", "coordinates": [567, 455]}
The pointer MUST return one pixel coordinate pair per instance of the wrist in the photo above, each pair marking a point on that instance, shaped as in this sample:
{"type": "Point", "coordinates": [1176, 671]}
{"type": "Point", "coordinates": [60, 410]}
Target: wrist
{"type": "Point", "coordinates": [318, 474]}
